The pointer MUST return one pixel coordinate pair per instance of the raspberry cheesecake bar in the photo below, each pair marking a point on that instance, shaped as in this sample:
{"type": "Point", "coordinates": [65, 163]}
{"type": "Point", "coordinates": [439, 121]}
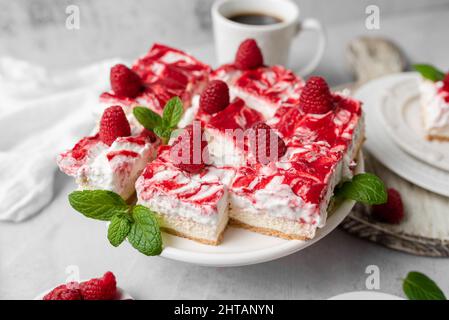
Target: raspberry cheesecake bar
{"type": "Point", "coordinates": [435, 107]}
{"type": "Point", "coordinates": [190, 199]}
{"type": "Point", "coordinates": [226, 132]}
{"type": "Point", "coordinates": [155, 78]}
{"type": "Point", "coordinates": [225, 124]}
{"type": "Point", "coordinates": [115, 163]}
{"type": "Point", "coordinates": [263, 88]}
{"type": "Point", "coordinates": [289, 198]}
{"type": "Point", "coordinates": [113, 158]}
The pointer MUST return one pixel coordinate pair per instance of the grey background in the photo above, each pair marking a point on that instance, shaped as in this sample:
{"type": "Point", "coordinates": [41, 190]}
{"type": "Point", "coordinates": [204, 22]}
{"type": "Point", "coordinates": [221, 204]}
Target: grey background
{"type": "Point", "coordinates": [34, 254]}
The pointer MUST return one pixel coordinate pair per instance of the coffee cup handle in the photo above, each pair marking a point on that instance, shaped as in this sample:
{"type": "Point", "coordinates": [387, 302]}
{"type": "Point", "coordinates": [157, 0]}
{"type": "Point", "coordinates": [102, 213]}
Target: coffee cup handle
{"type": "Point", "coordinates": [311, 24]}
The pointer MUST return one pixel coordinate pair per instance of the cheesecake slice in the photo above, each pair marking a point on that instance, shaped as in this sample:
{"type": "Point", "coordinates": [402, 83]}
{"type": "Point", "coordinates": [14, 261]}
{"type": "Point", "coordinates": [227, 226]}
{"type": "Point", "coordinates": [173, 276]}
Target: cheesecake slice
{"type": "Point", "coordinates": [264, 89]}
{"type": "Point", "coordinates": [113, 164]}
{"type": "Point", "coordinates": [289, 198]}
{"type": "Point", "coordinates": [225, 123]}
{"type": "Point", "coordinates": [226, 133]}
{"type": "Point", "coordinates": [165, 73]}
{"type": "Point", "coordinates": [190, 205]}
{"type": "Point", "coordinates": [435, 108]}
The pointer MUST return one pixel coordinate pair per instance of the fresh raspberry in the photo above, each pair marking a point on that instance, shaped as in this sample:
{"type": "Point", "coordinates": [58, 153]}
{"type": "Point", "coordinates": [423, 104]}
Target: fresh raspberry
{"type": "Point", "coordinates": [392, 211]}
{"type": "Point", "coordinates": [113, 124]}
{"type": "Point", "coordinates": [264, 131]}
{"type": "Point", "coordinates": [249, 55]}
{"type": "Point", "coordinates": [316, 97]}
{"type": "Point", "coordinates": [104, 288]}
{"type": "Point", "coordinates": [215, 97]}
{"type": "Point", "coordinates": [64, 292]}
{"type": "Point", "coordinates": [183, 152]}
{"type": "Point", "coordinates": [125, 82]}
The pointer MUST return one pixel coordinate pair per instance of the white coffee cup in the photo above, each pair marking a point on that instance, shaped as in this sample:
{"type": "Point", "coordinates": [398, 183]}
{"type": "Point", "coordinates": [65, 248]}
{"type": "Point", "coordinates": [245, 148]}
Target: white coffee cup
{"type": "Point", "coordinates": [273, 39]}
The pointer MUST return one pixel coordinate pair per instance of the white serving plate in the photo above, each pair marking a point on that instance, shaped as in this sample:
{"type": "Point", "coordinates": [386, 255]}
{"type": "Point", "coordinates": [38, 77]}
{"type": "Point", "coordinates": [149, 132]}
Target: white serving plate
{"type": "Point", "coordinates": [381, 142]}
{"type": "Point", "coordinates": [401, 113]}
{"type": "Point", "coordinates": [365, 295]}
{"type": "Point", "coordinates": [242, 247]}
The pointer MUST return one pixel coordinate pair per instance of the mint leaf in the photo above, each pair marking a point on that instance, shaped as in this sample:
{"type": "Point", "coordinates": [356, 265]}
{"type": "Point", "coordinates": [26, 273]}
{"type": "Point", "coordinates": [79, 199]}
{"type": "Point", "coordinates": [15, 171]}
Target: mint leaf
{"type": "Point", "coordinates": [119, 229]}
{"type": "Point", "coordinates": [163, 132]}
{"type": "Point", "coordinates": [145, 234]}
{"type": "Point", "coordinates": [97, 204]}
{"type": "Point", "coordinates": [366, 188]}
{"type": "Point", "coordinates": [429, 72]}
{"type": "Point", "coordinates": [172, 113]}
{"type": "Point", "coordinates": [147, 118]}
{"type": "Point", "coordinates": [418, 286]}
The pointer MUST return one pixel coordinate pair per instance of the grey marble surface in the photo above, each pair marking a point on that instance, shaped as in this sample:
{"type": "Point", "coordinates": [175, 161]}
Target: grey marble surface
{"type": "Point", "coordinates": [34, 254]}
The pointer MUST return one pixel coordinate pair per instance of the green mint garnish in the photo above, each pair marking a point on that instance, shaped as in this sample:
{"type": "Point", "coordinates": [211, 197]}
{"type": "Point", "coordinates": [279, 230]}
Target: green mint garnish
{"type": "Point", "coordinates": [172, 112]}
{"type": "Point", "coordinates": [161, 126]}
{"type": "Point", "coordinates": [145, 235]}
{"type": "Point", "coordinates": [119, 229]}
{"type": "Point", "coordinates": [137, 223]}
{"type": "Point", "coordinates": [98, 204]}
{"type": "Point", "coordinates": [429, 72]}
{"type": "Point", "coordinates": [418, 286]}
{"type": "Point", "coordinates": [366, 188]}
{"type": "Point", "coordinates": [148, 118]}
{"type": "Point", "coordinates": [162, 132]}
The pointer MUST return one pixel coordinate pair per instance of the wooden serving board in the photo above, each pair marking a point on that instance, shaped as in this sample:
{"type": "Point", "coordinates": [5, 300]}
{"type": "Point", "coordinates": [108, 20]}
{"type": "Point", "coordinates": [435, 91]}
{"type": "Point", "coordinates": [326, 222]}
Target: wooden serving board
{"type": "Point", "coordinates": [423, 232]}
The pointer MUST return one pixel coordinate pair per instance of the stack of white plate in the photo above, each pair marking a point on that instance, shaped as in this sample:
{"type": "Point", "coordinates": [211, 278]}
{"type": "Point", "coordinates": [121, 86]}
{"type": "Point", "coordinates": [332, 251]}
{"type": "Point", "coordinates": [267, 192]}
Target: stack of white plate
{"type": "Point", "coordinates": [395, 134]}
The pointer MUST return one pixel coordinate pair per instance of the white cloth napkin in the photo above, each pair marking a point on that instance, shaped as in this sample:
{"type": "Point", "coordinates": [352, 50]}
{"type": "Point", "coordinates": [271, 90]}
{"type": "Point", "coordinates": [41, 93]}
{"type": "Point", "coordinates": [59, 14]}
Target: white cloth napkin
{"type": "Point", "coordinates": [41, 114]}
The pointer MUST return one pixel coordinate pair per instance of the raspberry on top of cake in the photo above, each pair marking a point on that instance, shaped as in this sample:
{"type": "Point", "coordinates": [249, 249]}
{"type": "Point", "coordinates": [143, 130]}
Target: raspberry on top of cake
{"type": "Point", "coordinates": [113, 158]}
{"type": "Point", "coordinates": [190, 196]}
{"type": "Point", "coordinates": [264, 88]}
{"type": "Point", "coordinates": [155, 78]}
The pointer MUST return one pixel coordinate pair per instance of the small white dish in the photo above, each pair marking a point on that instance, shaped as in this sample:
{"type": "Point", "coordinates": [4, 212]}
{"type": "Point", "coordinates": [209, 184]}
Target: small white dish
{"type": "Point", "coordinates": [365, 295]}
{"type": "Point", "coordinates": [121, 294]}
{"type": "Point", "coordinates": [401, 113]}
{"type": "Point", "coordinates": [242, 247]}
{"type": "Point", "coordinates": [383, 146]}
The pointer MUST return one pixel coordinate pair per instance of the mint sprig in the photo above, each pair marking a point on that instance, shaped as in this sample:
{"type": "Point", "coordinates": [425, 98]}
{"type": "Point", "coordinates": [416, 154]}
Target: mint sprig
{"type": "Point", "coordinates": [98, 204]}
{"type": "Point", "coordinates": [147, 118]}
{"type": "Point", "coordinates": [418, 286]}
{"type": "Point", "coordinates": [119, 229]}
{"type": "Point", "coordinates": [366, 188]}
{"type": "Point", "coordinates": [429, 72]}
{"type": "Point", "coordinates": [145, 235]}
{"type": "Point", "coordinates": [161, 126]}
{"type": "Point", "coordinates": [172, 113]}
{"type": "Point", "coordinates": [138, 224]}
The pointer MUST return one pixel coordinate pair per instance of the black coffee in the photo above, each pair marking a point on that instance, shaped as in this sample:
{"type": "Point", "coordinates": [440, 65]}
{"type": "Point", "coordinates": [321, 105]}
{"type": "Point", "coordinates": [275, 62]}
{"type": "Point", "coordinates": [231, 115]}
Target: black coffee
{"type": "Point", "coordinates": [257, 19]}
